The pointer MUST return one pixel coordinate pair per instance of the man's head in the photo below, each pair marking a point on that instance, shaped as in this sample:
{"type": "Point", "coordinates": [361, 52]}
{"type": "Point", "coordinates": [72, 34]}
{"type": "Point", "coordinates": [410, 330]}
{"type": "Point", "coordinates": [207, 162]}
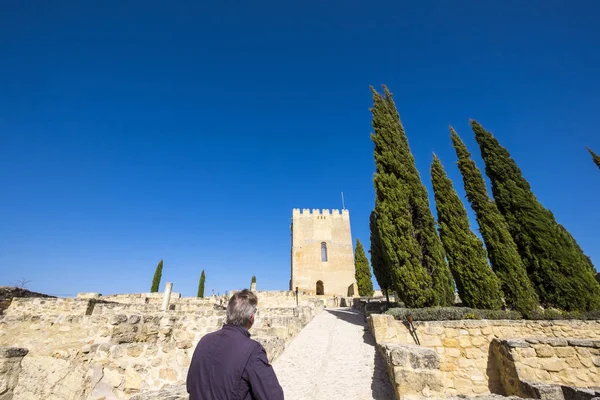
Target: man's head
{"type": "Point", "coordinates": [241, 309]}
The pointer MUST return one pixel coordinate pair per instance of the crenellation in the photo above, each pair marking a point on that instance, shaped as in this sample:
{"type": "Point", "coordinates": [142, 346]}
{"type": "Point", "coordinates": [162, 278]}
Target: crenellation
{"type": "Point", "coordinates": [319, 214]}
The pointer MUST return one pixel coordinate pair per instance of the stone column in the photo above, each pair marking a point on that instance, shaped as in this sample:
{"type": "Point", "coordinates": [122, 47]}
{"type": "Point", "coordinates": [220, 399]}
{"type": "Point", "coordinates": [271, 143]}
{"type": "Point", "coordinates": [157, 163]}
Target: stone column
{"type": "Point", "coordinates": [166, 297]}
{"type": "Point", "coordinates": [253, 287]}
{"type": "Point", "coordinates": [10, 368]}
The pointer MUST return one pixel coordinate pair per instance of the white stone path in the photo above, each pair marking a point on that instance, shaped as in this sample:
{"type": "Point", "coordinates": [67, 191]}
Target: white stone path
{"type": "Point", "coordinates": [333, 358]}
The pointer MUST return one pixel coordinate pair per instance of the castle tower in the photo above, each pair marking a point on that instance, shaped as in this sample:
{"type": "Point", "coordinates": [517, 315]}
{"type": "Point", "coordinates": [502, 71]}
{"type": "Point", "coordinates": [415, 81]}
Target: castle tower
{"type": "Point", "coordinates": [322, 256]}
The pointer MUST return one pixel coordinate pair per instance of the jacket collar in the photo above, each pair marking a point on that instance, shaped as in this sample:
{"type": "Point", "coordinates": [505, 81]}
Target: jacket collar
{"type": "Point", "coordinates": [239, 328]}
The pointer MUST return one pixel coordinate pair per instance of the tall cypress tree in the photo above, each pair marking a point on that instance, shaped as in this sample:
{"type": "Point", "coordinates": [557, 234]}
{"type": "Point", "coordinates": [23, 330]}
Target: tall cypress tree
{"type": "Point", "coordinates": [556, 265]}
{"type": "Point", "coordinates": [362, 271]}
{"type": "Point", "coordinates": [477, 285]}
{"type": "Point", "coordinates": [423, 222]}
{"type": "Point", "coordinates": [595, 157]}
{"type": "Point", "coordinates": [411, 247]}
{"type": "Point", "coordinates": [201, 285]}
{"type": "Point", "coordinates": [380, 268]}
{"type": "Point", "coordinates": [157, 277]}
{"type": "Point", "coordinates": [501, 248]}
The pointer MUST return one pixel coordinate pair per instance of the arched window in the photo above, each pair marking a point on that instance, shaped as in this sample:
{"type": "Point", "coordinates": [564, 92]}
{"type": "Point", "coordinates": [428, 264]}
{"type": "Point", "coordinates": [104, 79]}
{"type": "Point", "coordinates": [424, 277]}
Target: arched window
{"type": "Point", "coordinates": [323, 251]}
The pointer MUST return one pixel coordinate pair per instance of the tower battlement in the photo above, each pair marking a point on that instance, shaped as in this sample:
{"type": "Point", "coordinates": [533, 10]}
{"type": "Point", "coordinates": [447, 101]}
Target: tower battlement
{"type": "Point", "coordinates": [307, 213]}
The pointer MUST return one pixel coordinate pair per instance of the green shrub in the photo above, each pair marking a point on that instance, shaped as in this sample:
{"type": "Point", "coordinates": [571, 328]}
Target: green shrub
{"type": "Point", "coordinates": [457, 313]}
{"type": "Point", "coordinates": [451, 314]}
{"type": "Point", "coordinates": [552, 314]}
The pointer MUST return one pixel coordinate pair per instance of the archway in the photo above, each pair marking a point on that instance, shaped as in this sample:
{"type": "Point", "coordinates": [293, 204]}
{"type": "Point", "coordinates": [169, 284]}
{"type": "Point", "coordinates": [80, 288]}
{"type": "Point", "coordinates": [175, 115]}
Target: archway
{"type": "Point", "coordinates": [320, 288]}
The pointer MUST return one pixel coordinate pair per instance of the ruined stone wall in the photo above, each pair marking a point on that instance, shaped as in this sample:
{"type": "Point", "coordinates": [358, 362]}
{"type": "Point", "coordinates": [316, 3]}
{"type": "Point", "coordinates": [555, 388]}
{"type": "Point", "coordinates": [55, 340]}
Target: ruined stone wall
{"type": "Point", "coordinates": [86, 348]}
{"type": "Point", "coordinates": [464, 346]}
{"type": "Point", "coordinates": [309, 230]}
{"type": "Point", "coordinates": [570, 362]}
{"type": "Point", "coordinates": [48, 306]}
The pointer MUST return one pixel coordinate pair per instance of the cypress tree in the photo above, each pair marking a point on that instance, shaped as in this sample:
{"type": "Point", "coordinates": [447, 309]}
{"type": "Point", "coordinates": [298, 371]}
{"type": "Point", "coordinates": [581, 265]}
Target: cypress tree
{"type": "Point", "coordinates": [501, 248]}
{"type": "Point", "coordinates": [595, 157]}
{"type": "Point", "coordinates": [157, 277]}
{"type": "Point", "coordinates": [411, 247]}
{"type": "Point", "coordinates": [477, 285]}
{"type": "Point", "coordinates": [558, 269]}
{"type": "Point", "coordinates": [201, 285]}
{"type": "Point", "coordinates": [362, 271]}
{"type": "Point", "coordinates": [253, 280]}
{"type": "Point", "coordinates": [380, 268]}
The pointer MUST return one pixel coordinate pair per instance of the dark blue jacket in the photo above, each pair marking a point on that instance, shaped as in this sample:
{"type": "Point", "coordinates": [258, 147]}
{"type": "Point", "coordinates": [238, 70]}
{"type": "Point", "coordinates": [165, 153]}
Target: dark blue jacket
{"type": "Point", "coordinates": [228, 365]}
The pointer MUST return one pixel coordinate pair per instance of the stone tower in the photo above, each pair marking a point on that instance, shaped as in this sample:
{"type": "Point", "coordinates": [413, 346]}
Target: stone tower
{"type": "Point", "coordinates": [322, 256]}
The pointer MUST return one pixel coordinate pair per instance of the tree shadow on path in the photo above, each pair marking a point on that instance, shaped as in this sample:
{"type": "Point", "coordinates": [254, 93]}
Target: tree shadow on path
{"type": "Point", "coordinates": [381, 387]}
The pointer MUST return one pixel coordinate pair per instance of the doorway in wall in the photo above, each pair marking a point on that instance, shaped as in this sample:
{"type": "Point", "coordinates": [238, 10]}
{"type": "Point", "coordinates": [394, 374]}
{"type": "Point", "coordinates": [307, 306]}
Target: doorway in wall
{"type": "Point", "coordinates": [320, 288]}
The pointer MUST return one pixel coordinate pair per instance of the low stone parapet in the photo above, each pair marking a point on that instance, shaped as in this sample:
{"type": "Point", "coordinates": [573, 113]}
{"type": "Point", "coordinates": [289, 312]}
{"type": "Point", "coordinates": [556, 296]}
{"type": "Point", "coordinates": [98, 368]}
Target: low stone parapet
{"type": "Point", "coordinates": [527, 366]}
{"type": "Point", "coordinates": [413, 370]}
{"type": "Point", "coordinates": [464, 345]}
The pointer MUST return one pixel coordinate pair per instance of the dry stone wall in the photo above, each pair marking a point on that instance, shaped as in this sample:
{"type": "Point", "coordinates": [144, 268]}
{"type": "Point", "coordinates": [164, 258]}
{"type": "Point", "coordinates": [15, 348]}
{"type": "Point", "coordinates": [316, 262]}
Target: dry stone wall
{"type": "Point", "coordinates": [88, 348]}
{"type": "Point", "coordinates": [554, 361]}
{"type": "Point", "coordinates": [464, 346]}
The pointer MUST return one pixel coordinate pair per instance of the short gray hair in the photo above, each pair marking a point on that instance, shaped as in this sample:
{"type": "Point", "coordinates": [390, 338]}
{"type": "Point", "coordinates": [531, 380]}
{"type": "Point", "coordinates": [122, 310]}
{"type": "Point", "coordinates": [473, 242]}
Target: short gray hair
{"type": "Point", "coordinates": [241, 307]}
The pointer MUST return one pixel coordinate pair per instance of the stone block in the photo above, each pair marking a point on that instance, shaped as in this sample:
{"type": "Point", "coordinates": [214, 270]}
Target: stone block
{"type": "Point", "coordinates": [464, 341]}
{"type": "Point", "coordinates": [450, 342]}
{"type": "Point", "coordinates": [415, 356]}
{"type": "Point", "coordinates": [553, 364]}
{"type": "Point", "coordinates": [447, 366]}
{"type": "Point", "coordinates": [134, 350]}
{"type": "Point", "coordinates": [415, 381]}
{"type": "Point", "coordinates": [451, 332]}
{"type": "Point", "coordinates": [574, 362]}
{"type": "Point", "coordinates": [487, 330]}
{"type": "Point", "coordinates": [167, 374]}
{"type": "Point", "coordinates": [133, 380]}
{"type": "Point", "coordinates": [479, 341]}
{"type": "Point", "coordinates": [117, 319]}
{"type": "Point", "coordinates": [453, 352]}
{"type": "Point", "coordinates": [474, 353]}
{"type": "Point", "coordinates": [544, 351]}
{"type": "Point", "coordinates": [565, 352]}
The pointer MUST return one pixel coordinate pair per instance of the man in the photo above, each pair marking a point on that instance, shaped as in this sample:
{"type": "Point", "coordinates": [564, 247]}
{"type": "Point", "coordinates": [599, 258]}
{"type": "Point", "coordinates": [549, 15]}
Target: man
{"type": "Point", "coordinates": [228, 365]}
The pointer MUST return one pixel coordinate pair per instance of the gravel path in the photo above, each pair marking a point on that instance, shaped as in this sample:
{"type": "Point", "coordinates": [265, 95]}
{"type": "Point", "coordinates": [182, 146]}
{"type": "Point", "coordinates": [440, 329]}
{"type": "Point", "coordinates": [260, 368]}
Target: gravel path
{"type": "Point", "coordinates": [333, 358]}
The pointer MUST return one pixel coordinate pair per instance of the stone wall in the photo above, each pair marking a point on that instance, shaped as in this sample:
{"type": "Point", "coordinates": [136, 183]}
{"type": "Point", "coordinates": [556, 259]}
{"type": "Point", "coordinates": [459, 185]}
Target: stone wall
{"type": "Point", "coordinates": [413, 370]}
{"type": "Point", "coordinates": [10, 369]}
{"type": "Point", "coordinates": [553, 361]}
{"type": "Point", "coordinates": [91, 349]}
{"type": "Point", "coordinates": [464, 346]}
{"type": "Point", "coordinates": [48, 306]}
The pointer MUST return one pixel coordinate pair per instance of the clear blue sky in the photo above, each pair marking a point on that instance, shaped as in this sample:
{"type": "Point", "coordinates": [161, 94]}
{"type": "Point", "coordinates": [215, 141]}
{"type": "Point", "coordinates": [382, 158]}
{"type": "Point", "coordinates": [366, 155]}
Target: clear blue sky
{"type": "Point", "coordinates": [134, 131]}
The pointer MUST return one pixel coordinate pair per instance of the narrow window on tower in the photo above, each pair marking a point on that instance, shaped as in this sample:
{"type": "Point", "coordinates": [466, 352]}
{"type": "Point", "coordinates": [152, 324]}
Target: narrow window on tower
{"type": "Point", "coordinates": [323, 251]}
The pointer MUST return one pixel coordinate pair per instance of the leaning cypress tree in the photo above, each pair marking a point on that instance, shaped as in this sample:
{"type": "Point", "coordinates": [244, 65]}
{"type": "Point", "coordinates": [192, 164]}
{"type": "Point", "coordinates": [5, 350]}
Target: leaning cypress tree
{"type": "Point", "coordinates": [595, 157]}
{"type": "Point", "coordinates": [556, 265]}
{"type": "Point", "coordinates": [411, 249]}
{"type": "Point", "coordinates": [201, 285]}
{"type": "Point", "coordinates": [157, 277]}
{"type": "Point", "coordinates": [477, 285]}
{"type": "Point", "coordinates": [422, 218]}
{"type": "Point", "coordinates": [380, 268]}
{"type": "Point", "coordinates": [362, 271]}
{"type": "Point", "coordinates": [501, 248]}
